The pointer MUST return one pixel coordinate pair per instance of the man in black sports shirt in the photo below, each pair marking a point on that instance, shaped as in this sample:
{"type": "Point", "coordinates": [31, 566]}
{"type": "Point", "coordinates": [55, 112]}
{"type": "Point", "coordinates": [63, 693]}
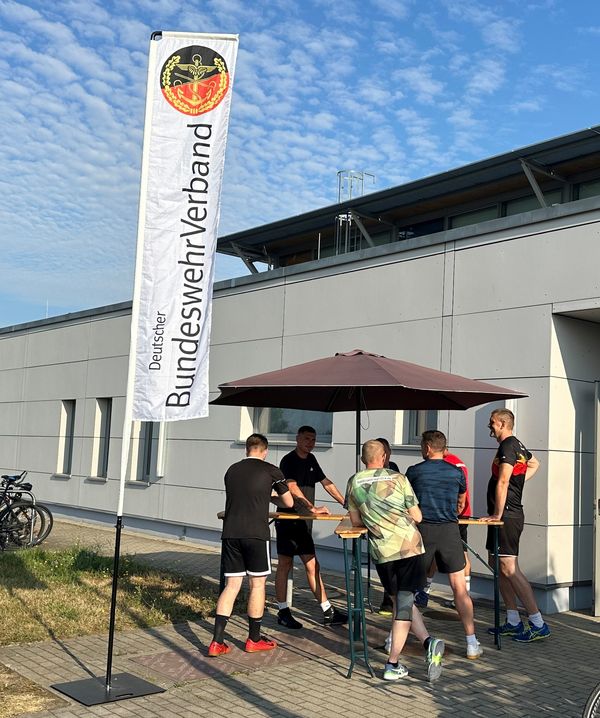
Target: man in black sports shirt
{"type": "Point", "coordinates": [249, 486]}
{"type": "Point", "coordinates": [294, 538]}
{"type": "Point", "coordinates": [513, 465]}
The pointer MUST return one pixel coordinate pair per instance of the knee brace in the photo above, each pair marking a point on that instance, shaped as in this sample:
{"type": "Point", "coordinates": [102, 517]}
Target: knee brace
{"type": "Point", "coordinates": [404, 605]}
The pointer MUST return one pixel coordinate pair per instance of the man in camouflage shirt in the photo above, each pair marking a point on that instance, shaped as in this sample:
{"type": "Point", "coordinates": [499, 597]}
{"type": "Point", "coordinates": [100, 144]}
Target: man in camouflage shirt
{"type": "Point", "coordinates": [385, 503]}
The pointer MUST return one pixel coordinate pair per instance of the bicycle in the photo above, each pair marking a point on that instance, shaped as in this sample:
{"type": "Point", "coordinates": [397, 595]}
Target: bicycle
{"type": "Point", "coordinates": [23, 521]}
{"type": "Point", "coordinates": [592, 706]}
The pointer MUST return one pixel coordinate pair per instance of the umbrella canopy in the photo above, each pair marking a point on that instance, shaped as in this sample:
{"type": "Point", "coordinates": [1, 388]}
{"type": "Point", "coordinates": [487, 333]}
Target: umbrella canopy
{"type": "Point", "coordinates": [359, 380]}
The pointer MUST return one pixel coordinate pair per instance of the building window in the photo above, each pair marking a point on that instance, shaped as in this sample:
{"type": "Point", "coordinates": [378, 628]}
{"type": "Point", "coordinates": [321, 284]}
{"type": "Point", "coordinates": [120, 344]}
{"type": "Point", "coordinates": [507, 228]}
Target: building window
{"type": "Point", "coordinates": [474, 217]}
{"type": "Point", "coordinates": [147, 455]}
{"type": "Point", "coordinates": [101, 444]}
{"type": "Point", "coordinates": [66, 436]}
{"type": "Point", "coordinates": [531, 202]}
{"type": "Point", "coordinates": [148, 449]}
{"type": "Point", "coordinates": [417, 422]}
{"type": "Point", "coordinates": [588, 189]}
{"type": "Point", "coordinates": [283, 424]}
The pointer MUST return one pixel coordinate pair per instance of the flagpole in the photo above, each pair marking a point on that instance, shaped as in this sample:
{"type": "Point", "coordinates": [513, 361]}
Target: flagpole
{"type": "Point", "coordinates": [125, 685]}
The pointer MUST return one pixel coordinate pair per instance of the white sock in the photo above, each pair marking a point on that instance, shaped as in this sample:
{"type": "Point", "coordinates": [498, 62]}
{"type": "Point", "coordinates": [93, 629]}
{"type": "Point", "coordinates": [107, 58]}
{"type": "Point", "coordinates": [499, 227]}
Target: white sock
{"type": "Point", "coordinates": [536, 619]}
{"type": "Point", "coordinates": [325, 606]}
{"type": "Point", "coordinates": [427, 588]}
{"type": "Point", "coordinates": [283, 605]}
{"type": "Point", "coordinates": [512, 617]}
{"type": "Point", "coordinates": [468, 582]}
{"type": "Point", "coordinates": [471, 640]}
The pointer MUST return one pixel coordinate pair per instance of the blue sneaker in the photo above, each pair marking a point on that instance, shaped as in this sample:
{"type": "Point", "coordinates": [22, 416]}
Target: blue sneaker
{"type": "Point", "coordinates": [533, 634]}
{"type": "Point", "coordinates": [508, 629]}
{"type": "Point", "coordinates": [421, 599]}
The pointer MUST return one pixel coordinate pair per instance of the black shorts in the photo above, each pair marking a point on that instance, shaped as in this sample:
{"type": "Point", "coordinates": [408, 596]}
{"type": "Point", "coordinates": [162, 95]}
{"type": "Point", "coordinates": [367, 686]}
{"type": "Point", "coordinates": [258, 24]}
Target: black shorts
{"type": "Point", "coordinates": [443, 542]}
{"type": "Point", "coordinates": [405, 574]}
{"type": "Point", "coordinates": [247, 556]}
{"type": "Point", "coordinates": [463, 533]}
{"type": "Point", "coordinates": [508, 536]}
{"type": "Point", "coordinates": [294, 538]}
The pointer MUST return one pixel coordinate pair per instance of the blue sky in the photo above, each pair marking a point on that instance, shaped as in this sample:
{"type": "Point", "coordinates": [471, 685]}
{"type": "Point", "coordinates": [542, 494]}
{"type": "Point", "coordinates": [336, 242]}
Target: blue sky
{"type": "Point", "coordinates": [399, 88]}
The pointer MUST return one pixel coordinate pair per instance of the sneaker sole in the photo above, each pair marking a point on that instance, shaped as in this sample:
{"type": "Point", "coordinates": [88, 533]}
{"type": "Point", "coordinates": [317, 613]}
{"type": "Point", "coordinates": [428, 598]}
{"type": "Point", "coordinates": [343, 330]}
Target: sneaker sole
{"type": "Point", "coordinates": [475, 658]}
{"type": "Point", "coordinates": [221, 653]}
{"type": "Point", "coordinates": [260, 650]}
{"type": "Point", "coordinates": [434, 669]}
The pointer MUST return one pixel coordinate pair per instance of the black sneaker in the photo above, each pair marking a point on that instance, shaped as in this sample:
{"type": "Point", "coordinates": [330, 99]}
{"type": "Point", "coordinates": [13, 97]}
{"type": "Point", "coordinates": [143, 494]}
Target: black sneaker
{"type": "Point", "coordinates": [285, 618]}
{"type": "Point", "coordinates": [333, 617]}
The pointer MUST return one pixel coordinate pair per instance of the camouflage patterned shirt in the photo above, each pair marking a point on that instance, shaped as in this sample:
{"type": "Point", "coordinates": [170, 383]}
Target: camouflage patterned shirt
{"type": "Point", "coordinates": [383, 497]}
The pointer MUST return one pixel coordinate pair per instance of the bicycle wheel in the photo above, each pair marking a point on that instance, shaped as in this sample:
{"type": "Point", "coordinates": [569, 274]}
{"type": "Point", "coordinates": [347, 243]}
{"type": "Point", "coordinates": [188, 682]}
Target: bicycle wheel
{"type": "Point", "coordinates": [592, 707]}
{"type": "Point", "coordinates": [20, 525]}
{"type": "Point", "coordinates": [47, 523]}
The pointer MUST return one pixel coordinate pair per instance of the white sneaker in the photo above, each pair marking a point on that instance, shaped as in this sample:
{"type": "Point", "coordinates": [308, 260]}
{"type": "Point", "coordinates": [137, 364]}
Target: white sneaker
{"type": "Point", "coordinates": [394, 673]}
{"type": "Point", "coordinates": [474, 651]}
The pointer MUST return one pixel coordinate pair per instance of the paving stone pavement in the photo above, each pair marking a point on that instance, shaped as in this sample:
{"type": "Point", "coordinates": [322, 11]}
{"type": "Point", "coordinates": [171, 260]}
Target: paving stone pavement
{"type": "Point", "coordinates": [306, 677]}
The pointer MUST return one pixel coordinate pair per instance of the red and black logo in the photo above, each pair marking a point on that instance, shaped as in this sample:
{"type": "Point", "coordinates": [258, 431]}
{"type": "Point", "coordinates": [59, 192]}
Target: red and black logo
{"type": "Point", "coordinates": [194, 80]}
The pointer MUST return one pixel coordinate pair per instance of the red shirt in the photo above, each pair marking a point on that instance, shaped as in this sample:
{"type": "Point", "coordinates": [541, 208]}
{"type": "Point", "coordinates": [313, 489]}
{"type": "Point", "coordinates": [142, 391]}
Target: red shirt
{"type": "Point", "coordinates": [456, 461]}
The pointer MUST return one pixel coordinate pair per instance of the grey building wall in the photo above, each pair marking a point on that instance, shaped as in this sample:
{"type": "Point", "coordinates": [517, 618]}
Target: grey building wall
{"type": "Point", "coordinates": [481, 301]}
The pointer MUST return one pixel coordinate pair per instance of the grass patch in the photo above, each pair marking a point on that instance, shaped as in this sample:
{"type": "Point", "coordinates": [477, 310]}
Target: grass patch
{"type": "Point", "coordinates": [22, 696]}
{"type": "Point", "coordinates": [60, 594]}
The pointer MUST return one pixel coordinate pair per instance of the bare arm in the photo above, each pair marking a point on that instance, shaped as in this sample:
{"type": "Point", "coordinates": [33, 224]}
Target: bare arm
{"type": "Point", "coordinates": [287, 500]}
{"type": "Point", "coordinates": [332, 490]}
{"type": "Point", "coordinates": [301, 498]}
{"type": "Point", "coordinates": [415, 513]}
{"type": "Point", "coordinates": [532, 466]}
{"type": "Point", "coordinates": [355, 518]}
{"type": "Point", "coordinates": [462, 500]}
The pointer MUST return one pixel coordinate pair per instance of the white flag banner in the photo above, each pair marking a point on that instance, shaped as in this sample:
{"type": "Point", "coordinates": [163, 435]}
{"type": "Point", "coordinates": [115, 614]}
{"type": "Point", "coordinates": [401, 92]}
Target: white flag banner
{"type": "Point", "coordinates": [187, 113]}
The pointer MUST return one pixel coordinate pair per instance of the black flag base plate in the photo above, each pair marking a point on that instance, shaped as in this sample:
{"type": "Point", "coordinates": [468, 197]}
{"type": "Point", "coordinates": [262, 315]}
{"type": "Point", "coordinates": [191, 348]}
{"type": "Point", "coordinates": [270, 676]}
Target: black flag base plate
{"type": "Point", "coordinates": [93, 691]}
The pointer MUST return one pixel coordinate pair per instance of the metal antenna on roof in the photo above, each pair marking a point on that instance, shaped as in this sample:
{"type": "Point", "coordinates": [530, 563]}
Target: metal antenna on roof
{"type": "Point", "coordinates": [348, 233]}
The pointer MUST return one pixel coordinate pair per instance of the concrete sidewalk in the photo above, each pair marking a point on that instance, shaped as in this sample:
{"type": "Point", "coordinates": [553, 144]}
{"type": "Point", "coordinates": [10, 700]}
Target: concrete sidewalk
{"type": "Point", "coordinates": [305, 677]}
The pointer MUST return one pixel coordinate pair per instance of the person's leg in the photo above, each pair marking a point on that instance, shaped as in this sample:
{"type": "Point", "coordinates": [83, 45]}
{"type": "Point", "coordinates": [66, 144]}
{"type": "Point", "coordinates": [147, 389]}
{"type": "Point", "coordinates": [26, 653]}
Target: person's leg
{"type": "Point", "coordinates": [331, 616]}
{"type": "Point", "coordinates": [313, 576]}
{"type": "Point", "coordinates": [227, 598]}
{"type": "Point", "coordinates": [225, 603]}
{"type": "Point", "coordinates": [402, 606]}
{"type": "Point", "coordinates": [284, 566]}
{"type": "Point", "coordinates": [463, 602]}
{"type": "Point", "coordinates": [256, 608]}
{"type": "Point", "coordinates": [519, 585]}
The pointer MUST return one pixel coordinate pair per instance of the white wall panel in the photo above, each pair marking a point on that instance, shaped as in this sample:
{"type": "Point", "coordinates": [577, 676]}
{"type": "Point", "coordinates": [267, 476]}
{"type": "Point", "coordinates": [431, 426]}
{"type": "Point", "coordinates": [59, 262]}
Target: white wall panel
{"type": "Point", "coordinates": [251, 314]}
{"type": "Point", "coordinates": [502, 343]}
{"type": "Point", "coordinates": [58, 345]}
{"type": "Point", "coordinates": [109, 337]}
{"type": "Point", "coordinates": [571, 417]}
{"type": "Point", "coordinates": [391, 293]}
{"type": "Point", "coordinates": [14, 352]}
{"type": "Point", "coordinates": [501, 275]}
{"type": "Point", "coordinates": [570, 488]}
{"type": "Point", "coordinates": [57, 381]}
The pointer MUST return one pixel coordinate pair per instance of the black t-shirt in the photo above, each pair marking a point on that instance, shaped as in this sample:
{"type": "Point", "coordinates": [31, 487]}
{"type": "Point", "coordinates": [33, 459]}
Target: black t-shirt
{"type": "Point", "coordinates": [511, 451]}
{"type": "Point", "coordinates": [248, 486]}
{"type": "Point", "coordinates": [305, 472]}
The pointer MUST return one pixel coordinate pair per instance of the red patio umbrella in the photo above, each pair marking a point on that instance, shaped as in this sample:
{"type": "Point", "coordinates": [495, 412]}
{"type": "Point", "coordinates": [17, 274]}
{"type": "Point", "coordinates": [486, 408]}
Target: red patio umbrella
{"type": "Point", "coordinates": [358, 380]}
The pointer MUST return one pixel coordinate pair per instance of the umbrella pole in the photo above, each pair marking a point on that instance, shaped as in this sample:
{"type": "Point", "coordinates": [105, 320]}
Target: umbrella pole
{"type": "Point", "coordinates": [358, 408]}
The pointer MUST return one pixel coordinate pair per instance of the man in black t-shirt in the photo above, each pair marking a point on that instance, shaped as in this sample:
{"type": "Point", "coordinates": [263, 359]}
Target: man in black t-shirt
{"type": "Point", "coordinates": [513, 465]}
{"type": "Point", "coordinates": [302, 471]}
{"type": "Point", "coordinates": [249, 486]}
